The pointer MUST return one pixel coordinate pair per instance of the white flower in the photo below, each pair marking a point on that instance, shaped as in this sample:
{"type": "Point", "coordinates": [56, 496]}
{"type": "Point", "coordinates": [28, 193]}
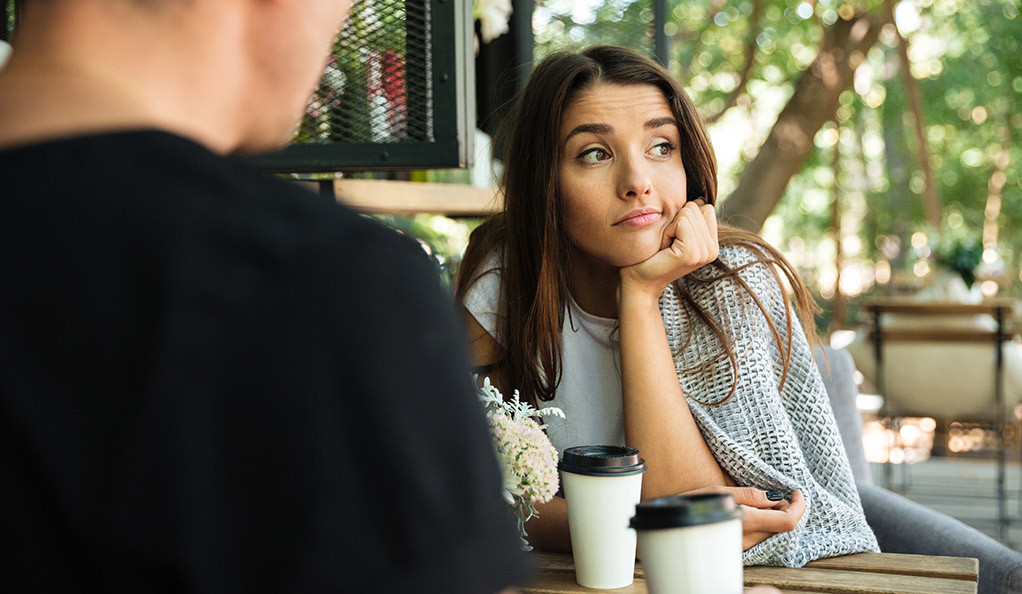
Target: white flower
{"type": "Point", "coordinates": [528, 461]}
{"type": "Point", "coordinates": [493, 16]}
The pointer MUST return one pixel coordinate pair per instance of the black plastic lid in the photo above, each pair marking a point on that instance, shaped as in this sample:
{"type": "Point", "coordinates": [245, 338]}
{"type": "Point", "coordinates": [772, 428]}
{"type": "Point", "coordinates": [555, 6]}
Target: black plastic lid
{"type": "Point", "coordinates": [602, 460]}
{"type": "Point", "coordinates": [679, 511]}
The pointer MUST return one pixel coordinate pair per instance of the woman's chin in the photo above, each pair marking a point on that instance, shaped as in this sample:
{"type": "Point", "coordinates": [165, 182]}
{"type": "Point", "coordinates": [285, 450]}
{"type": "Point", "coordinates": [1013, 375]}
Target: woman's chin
{"type": "Point", "coordinates": [638, 256]}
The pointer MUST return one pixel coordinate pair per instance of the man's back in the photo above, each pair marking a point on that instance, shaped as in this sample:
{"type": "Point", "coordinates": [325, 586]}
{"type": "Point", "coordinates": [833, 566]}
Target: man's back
{"type": "Point", "coordinates": [216, 381]}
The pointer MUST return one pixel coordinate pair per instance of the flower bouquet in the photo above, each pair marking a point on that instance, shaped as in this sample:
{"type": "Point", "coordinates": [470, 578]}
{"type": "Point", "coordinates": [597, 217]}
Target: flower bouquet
{"type": "Point", "coordinates": [528, 460]}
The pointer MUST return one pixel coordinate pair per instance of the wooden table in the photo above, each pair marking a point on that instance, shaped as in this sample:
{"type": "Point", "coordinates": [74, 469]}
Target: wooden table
{"type": "Point", "coordinates": [851, 574]}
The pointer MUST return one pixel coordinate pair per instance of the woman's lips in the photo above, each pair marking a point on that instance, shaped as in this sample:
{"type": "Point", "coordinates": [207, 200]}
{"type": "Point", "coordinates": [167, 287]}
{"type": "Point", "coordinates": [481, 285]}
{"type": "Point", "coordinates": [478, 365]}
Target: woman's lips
{"type": "Point", "coordinates": [640, 218]}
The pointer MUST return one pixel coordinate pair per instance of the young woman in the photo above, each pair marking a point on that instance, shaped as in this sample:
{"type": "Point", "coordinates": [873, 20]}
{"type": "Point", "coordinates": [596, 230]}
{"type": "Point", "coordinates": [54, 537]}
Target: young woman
{"type": "Point", "coordinates": [607, 287]}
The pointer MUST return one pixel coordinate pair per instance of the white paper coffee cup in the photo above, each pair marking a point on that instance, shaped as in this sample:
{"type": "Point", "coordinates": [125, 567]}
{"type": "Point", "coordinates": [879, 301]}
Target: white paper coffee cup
{"type": "Point", "coordinates": [690, 544]}
{"type": "Point", "coordinates": [602, 485]}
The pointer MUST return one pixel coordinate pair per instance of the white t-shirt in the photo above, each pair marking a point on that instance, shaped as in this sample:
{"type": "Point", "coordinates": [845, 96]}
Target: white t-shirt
{"type": "Point", "coordinates": [590, 389]}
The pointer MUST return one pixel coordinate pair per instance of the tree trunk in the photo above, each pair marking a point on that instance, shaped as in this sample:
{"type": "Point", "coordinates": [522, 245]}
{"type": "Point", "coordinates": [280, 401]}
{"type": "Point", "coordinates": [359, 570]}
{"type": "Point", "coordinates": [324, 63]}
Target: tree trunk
{"type": "Point", "coordinates": [931, 200]}
{"type": "Point", "coordinates": [839, 318]}
{"type": "Point", "coordinates": [790, 141]}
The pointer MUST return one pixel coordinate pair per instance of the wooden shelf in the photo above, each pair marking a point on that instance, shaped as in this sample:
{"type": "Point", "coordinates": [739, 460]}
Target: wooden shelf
{"type": "Point", "coordinates": [929, 308]}
{"type": "Point", "coordinates": [404, 198]}
{"type": "Point", "coordinates": [922, 309]}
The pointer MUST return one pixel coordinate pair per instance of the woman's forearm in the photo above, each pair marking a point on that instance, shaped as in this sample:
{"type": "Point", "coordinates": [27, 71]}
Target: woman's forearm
{"type": "Point", "coordinates": [657, 419]}
{"type": "Point", "coordinates": [548, 531]}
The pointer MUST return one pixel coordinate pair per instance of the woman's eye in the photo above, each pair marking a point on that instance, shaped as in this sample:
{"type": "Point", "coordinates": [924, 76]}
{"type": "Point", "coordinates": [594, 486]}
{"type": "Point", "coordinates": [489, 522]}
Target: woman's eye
{"type": "Point", "coordinates": [664, 149]}
{"type": "Point", "coordinates": [593, 155]}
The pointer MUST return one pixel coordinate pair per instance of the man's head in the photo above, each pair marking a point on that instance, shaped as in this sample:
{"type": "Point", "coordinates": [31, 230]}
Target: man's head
{"type": "Point", "coordinates": [233, 74]}
{"type": "Point", "coordinates": [289, 48]}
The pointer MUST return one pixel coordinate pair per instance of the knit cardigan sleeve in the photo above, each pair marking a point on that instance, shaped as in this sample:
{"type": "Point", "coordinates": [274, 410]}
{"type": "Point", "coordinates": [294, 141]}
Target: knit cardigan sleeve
{"type": "Point", "coordinates": [770, 434]}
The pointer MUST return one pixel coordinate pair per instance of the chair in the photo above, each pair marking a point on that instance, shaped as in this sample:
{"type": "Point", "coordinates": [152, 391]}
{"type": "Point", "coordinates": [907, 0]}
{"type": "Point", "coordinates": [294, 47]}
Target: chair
{"type": "Point", "coordinates": [901, 525]}
{"type": "Point", "coordinates": [950, 361]}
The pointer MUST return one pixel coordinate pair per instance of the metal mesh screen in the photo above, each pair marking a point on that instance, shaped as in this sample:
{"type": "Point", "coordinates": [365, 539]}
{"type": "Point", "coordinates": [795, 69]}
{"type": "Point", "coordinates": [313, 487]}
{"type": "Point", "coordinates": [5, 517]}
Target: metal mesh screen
{"type": "Point", "coordinates": [377, 84]}
{"type": "Point", "coordinates": [7, 14]}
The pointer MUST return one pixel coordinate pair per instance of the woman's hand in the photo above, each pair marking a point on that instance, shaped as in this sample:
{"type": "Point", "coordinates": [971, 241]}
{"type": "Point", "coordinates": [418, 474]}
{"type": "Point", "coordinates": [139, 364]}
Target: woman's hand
{"type": "Point", "coordinates": [689, 243]}
{"type": "Point", "coordinates": [763, 518]}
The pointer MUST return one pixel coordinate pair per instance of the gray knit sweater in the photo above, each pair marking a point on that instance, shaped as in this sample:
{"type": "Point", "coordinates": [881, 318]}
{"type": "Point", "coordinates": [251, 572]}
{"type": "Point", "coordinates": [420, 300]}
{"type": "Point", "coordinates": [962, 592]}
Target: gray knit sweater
{"type": "Point", "coordinates": [768, 436]}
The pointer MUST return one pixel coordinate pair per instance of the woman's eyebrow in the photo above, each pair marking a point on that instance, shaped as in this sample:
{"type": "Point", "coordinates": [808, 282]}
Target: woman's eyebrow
{"type": "Point", "coordinates": [593, 128]}
{"type": "Point", "coordinates": [658, 122]}
{"type": "Point", "coordinates": [607, 129]}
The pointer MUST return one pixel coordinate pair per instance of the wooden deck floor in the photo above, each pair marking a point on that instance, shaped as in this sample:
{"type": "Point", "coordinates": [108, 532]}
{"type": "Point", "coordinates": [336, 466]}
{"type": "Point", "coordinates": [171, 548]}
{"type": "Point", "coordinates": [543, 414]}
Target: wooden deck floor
{"type": "Point", "coordinates": [961, 488]}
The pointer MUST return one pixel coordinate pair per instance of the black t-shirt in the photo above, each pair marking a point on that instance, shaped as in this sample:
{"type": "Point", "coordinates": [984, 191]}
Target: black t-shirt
{"type": "Point", "coordinates": [214, 381]}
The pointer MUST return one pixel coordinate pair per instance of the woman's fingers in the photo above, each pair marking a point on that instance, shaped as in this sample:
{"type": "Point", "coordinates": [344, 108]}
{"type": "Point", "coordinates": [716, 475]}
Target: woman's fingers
{"type": "Point", "coordinates": [798, 501]}
{"type": "Point", "coordinates": [704, 231]}
{"type": "Point", "coordinates": [705, 218]}
{"type": "Point", "coordinates": [671, 231]}
{"type": "Point", "coordinates": [781, 519]}
{"type": "Point", "coordinates": [750, 496]}
{"type": "Point", "coordinates": [684, 236]}
{"type": "Point", "coordinates": [763, 516]}
{"type": "Point", "coordinates": [697, 235]}
{"type": "Point", "coordinates": [692, 241]}
{"type": "Point", "coordinates": [710, 216]}
{"type": "Point", "coordinates": [769, 520]}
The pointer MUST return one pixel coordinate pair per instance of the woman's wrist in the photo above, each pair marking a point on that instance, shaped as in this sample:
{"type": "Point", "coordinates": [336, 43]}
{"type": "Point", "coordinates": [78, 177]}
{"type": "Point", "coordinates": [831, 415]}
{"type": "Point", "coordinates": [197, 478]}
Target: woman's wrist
{"type": "Point", "coordinates": [631, 292]}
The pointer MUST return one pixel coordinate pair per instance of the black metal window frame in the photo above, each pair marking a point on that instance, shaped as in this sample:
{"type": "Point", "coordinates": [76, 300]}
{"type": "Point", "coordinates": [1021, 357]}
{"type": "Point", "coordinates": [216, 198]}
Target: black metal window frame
{"type": "Point", "coordinates": [660, 41]}
{"type": "Point", "coordinates": [453, 113]}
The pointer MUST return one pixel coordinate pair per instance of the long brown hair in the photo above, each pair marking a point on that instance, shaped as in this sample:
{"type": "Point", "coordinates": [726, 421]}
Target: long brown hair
{"type": "Point", "coordinates": [531, 241]}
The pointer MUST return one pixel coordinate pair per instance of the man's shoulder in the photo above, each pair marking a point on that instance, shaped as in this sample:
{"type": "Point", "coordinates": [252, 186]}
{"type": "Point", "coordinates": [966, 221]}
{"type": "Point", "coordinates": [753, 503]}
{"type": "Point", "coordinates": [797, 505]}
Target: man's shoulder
{"type": "Point", "coordinates": [172, 191]}
{"type": "Point", "coordinates": [226, 193]}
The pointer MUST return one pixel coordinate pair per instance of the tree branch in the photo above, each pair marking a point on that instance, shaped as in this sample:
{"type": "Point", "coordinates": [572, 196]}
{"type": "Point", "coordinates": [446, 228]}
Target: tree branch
{"type": "Point", "coordinates": [750, 59]}
{"type": "Point", "coordinates": [715, 8]}
{"type": "Point", "coordinates": [931, 201]}
{"type": "Point", "coordinates": [790, 141]}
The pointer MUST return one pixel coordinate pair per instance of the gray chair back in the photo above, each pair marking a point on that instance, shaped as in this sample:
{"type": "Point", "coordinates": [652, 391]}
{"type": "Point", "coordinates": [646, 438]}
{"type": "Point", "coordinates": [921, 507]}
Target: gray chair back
{"type": "Point", "coordinates": [839, 379]}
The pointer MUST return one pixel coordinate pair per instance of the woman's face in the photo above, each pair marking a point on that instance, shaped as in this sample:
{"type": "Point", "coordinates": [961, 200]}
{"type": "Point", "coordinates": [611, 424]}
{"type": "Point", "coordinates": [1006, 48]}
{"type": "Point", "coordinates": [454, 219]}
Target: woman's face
{"type": "Point", "coordinates": [621, 176]}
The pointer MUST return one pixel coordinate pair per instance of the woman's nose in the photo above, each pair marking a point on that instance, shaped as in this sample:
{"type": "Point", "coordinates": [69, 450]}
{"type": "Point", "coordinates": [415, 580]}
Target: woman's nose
{"type": "Point", "coordinates": [634, 179]}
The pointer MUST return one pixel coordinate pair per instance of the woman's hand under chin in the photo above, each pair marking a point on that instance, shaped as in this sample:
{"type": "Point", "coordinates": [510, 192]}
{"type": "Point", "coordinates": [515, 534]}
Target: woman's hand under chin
{"type": "Point", "coordinates": [690, 242]}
